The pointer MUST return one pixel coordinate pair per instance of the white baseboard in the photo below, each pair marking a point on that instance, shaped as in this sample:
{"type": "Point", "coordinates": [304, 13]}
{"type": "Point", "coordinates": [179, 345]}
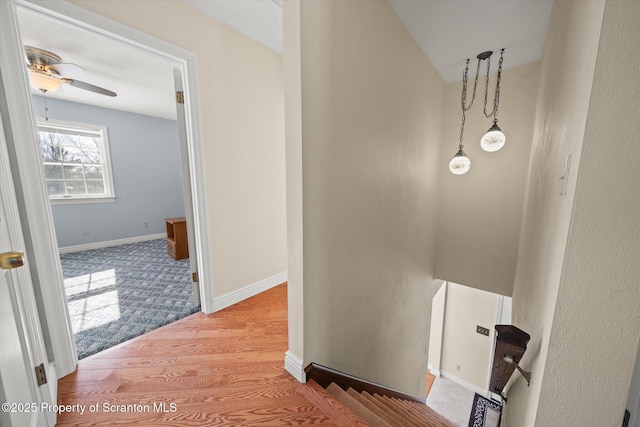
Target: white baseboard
{"type": "Point", "coordinates": [118, 242]}
{"type": "Point", "coordinates": [234, 297]}
{"type": "Point", "coordinates": [463, 383]}
{"type": "Point", "coordinates": [435, 372]}
{"type": "Point", "coordinates": [293, 365]}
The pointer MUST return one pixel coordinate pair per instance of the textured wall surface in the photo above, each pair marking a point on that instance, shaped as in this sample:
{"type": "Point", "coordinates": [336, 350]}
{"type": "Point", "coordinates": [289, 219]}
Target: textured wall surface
{"type": "Point", "coordinates": [242, 112]}
{"type": "Point", "coordinates": [371, 119]}
{"type": "Point", "coordinates": [480, 212]}
{"type": "Point", "coordinates": [599, 293]}
{"type": "Point", "coordinates": [566, 79]}
{"type": "Point", "coordinates": [145, 159]}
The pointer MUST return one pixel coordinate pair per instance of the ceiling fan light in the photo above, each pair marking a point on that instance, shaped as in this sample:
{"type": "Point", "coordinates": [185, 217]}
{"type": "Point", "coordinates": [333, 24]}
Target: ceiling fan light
{"type": "Point", "coordinates": [460, 164]}
{"type": "Point", "coordinates": [44, 82]}
{"type": "Point", "coordinates": [494, 139]}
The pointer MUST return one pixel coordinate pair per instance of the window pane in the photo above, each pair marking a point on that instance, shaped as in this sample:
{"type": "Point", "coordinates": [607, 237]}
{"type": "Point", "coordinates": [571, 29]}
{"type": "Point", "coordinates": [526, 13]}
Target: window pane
{"type": "Point", "coordinates": [49, 150]}
{"type": "Point", "coordinates": [95, 187]}
{"type": "Point", "coordinates": [55, 188]}
{"type": "Point", "coordinates": [73, 172]}
{"type": "Point", "coordinates": [93, 172]}
{"type": "Point", "coordinates": [53, 171]}
{"type": "Point", "coordinates": [73, 159]}
{"type": "Point", "coordinates": [76, 187]}
{"type": "Point", "coordinates": [81, 155]}
{"type": "Point", "coordinates": [89, 142]}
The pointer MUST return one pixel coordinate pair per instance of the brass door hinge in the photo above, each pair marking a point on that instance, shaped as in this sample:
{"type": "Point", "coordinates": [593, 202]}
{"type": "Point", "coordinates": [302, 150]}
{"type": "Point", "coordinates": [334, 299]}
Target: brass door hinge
{"type": "Point", "coordinates": [180, 97]}
{"type": "Point", "coordinates": [41, 375]}
{"type": "Point", "coordinates": [194, 276]}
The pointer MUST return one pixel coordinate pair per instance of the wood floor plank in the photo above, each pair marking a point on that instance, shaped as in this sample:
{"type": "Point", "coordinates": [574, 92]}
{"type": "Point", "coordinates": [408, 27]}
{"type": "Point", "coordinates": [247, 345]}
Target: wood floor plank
{"type": "Point", "coordinates": [224, 369]}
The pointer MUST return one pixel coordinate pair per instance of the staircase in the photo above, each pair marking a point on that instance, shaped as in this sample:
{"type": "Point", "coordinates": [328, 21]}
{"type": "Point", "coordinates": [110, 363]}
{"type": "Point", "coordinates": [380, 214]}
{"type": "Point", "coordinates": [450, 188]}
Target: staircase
{"type": "Point", "coordinates": [351, 408]}
{"type": "Point", "coordinates": [384, 411]}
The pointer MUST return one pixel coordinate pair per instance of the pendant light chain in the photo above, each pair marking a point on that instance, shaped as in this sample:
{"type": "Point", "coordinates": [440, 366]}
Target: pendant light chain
{"type": "Point", "coordinates": [466, 107]}
{"type": "Point", "coordinates": [475, 85]}
{"type": "Point", "coordinates": [494, 139]}
{"type": "Point", "coordinates": [463, 101]}
{"type": "Point", "coordinates": [496, 96]}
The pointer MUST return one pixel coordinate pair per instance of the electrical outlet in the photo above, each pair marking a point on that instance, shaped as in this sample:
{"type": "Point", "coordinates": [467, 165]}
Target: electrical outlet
{"type": "Point", "coordinates": [457, 367]}
{"type": "Point", "coordinates": [145, 225]}
{"type": "Point", "coordinates": [85, 231]}
{"type": "Point", "coordinates": [482, 331]}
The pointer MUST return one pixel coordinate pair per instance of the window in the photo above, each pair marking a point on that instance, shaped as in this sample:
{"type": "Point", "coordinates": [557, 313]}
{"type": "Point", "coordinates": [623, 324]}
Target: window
{"type": "Point", "coordinates": [76, 162]}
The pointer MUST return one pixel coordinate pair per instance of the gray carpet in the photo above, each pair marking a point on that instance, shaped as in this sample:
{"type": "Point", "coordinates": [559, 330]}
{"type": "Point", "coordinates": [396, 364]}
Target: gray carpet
{"type": "Point", "coordinates": [120, 292]}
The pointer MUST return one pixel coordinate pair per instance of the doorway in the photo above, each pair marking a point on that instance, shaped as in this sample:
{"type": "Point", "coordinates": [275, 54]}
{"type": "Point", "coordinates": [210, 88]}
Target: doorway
{"type": "Point", "coordinates": [461, 346]}
{"type": "Point", "coordinates": [182, 60]}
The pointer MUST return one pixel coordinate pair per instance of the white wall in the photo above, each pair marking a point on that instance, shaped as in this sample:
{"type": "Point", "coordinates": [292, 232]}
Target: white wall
{"type": "Point", "coordinates": [438, 305]}
{"type": "Point", "coordinates": [576, 289]}
{"type": "Point", "coordinates": [466, 354]}
{"type": "Point", "coordinates": [480, 213]}
{"type": "Point", "coordinates": [599, 292]}
{"type": "Point", "coordinates": [242, 111]}
{"type": "Point", "coordinates": [293, 147]}
{"type": "Point", "coordinates": [371, 114]}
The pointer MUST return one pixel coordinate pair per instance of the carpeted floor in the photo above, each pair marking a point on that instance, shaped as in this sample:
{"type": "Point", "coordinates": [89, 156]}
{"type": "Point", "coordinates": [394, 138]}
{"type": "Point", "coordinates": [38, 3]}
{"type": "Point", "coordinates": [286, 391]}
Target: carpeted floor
{"type": "Point", "coordinates": [120, 292]}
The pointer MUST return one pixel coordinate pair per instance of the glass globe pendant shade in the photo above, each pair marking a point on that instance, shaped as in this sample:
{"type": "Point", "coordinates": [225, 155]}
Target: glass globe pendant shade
{"type": "Point", "coordinates": [44, 82]}
{"type": "Point", "coordinates": [460, 164]}
{"type": "Point", "coordinates": [494, 139]}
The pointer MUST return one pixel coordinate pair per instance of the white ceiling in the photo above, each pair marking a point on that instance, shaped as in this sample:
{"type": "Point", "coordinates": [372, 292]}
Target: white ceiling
{"type": "Point", "coordinates": [449, 31]}
{"type": "Point", "coordinates": [143, 81]}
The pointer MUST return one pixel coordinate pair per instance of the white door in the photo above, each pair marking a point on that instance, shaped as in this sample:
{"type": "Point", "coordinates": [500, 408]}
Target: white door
{"type": "Point", "coordinates": [20, 337]}
{"type": "Point", "coordinates": [186, 184]}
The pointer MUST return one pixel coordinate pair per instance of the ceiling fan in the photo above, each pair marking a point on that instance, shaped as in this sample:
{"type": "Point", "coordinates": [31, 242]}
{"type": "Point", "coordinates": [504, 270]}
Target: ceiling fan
{"type": "Point", "coordinates": [47, 72]}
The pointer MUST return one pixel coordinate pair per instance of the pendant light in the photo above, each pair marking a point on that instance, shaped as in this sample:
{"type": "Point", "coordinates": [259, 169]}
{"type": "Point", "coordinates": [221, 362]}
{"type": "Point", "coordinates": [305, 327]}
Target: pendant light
{"type": "Point", "coordinates": [494, 139]}
{"type": "Point", "coordinates": [460, 164]}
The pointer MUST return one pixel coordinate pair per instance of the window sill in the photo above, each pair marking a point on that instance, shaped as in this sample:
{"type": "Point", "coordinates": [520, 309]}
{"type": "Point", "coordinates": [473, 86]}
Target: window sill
{"type": "Point", "coordinates": [82, 200]}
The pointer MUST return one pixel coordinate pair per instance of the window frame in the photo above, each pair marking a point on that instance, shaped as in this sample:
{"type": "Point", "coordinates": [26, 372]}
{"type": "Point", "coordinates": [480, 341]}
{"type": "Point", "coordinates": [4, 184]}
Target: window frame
{"type": "Point", "coordinates": [107, 170]}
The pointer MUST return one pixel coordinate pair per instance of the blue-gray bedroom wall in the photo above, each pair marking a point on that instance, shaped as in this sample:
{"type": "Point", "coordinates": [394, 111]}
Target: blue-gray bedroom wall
{"type": "Point", "coordinates": [145, 159]}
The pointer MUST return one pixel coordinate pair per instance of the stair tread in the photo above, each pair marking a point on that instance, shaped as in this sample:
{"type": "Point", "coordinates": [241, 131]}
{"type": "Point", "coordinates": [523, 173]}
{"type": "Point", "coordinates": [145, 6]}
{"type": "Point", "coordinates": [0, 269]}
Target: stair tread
{"type": "Point", "coordinates": [400, 408]}
{"type": "Point", "coordinates": [409, 408]}
{"type": "Point", "coordinates": [428, 413]}
{"type": "Point", "coordinates": [367, 404]}
{"type": "Point", "coordinates": [390, 416]}
{"type": "Point", "coordinates": [330, 406]}
{"type": "Point", "coordinates": [410, 418]}
{"type": "Point", "coordinates": [356, 406]}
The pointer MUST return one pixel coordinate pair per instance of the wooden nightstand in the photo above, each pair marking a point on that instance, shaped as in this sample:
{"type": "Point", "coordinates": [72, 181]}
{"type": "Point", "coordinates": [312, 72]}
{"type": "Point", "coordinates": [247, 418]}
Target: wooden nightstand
{"type": "Point", "coordinates": [177, 244]}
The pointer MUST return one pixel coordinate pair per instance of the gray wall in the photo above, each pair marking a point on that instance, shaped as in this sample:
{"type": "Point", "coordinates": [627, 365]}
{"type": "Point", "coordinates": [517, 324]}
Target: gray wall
{"type": "Point", "coordinates": [145, 159]}
{"type": "Point", "coordinates": [371, 115]}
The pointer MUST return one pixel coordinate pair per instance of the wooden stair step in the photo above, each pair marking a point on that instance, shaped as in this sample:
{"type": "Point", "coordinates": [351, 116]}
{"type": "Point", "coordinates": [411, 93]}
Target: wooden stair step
{"type": "Point", "coordinates": [358, 408]}
{"type": "Point", "coordinates": [428, 414]}
{"type": "Point", "coordinates": [390, 416]}
{"type": "Point", "coordinates": [398, 407]}
{"type": "Point", "coordinates": [408, 416]}
{"type": "Point", "coordinates": [330, 406]}
{"type": "Point", "coordinates": [409, 408]}
{"type": "Point", "coordinates": [368, 404]}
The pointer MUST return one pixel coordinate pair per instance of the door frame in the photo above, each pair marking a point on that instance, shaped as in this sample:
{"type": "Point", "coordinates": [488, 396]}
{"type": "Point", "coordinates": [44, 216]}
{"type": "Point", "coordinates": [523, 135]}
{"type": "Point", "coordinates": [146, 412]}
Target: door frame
{"type": "Point", "coordinates": [13, 138]}
{"type": "Point", "coordinates": [33, 187]}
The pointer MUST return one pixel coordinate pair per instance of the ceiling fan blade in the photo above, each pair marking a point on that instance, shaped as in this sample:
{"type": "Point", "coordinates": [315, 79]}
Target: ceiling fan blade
{"type": "Point", "coordinates": [66, 69]}
{"type": "Point", "coordinates": [89, 87]}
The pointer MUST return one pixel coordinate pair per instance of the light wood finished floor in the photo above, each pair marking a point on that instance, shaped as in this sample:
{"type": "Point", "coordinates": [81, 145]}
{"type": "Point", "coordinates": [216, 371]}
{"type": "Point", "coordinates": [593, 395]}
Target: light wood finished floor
{"type": "Point", "coordinates": [221, 369]}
